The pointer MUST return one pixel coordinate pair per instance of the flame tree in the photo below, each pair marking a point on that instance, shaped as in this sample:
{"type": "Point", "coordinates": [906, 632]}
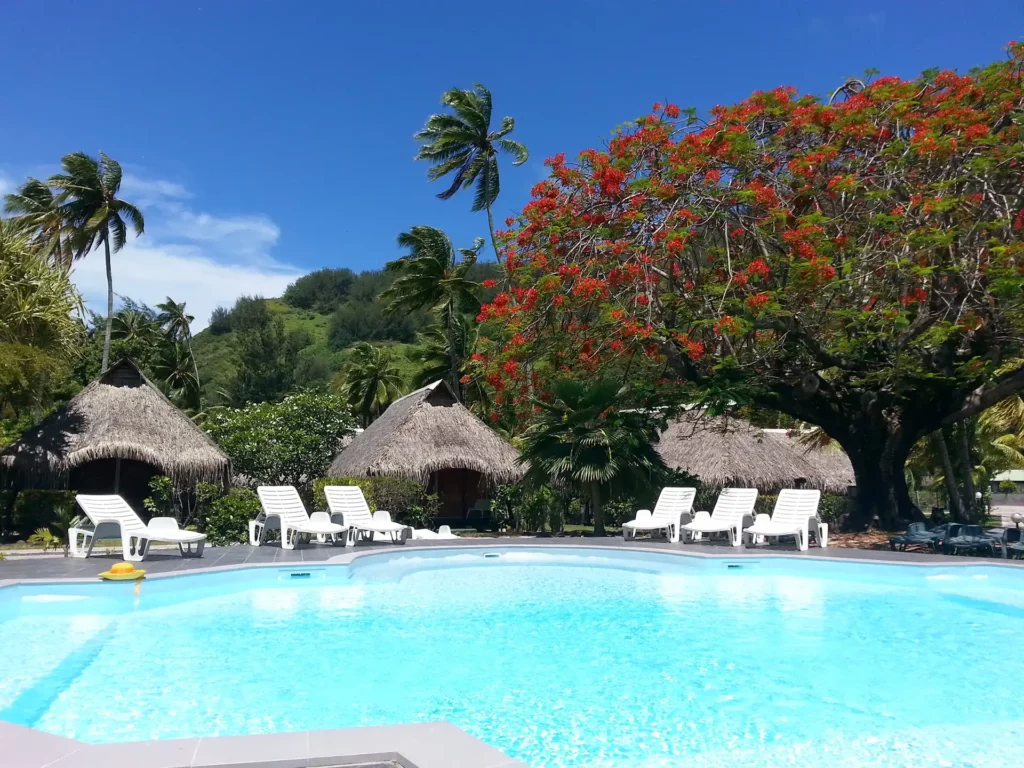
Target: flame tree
{"type": "Point", "coordinates": [856, 264]}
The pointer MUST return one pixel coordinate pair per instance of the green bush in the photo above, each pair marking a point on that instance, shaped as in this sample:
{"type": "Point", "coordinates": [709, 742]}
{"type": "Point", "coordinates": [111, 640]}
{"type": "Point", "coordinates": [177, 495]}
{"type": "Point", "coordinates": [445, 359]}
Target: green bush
{"type": "Point", "coordinates": [1007, 486]}
{"type": "Point", "coordinates": [833, 508]}
{"type": "Point", "coordinates": [227, 521]}
{"type": "Point", "coordinates": [39, 509]}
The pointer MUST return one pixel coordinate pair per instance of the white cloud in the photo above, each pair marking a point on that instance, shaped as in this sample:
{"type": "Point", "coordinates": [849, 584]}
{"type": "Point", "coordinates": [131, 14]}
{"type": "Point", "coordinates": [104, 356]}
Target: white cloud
{"type": "Point", "coordinates": [192, 256]}
{"type": "Point", "coordinates": [7, 185]}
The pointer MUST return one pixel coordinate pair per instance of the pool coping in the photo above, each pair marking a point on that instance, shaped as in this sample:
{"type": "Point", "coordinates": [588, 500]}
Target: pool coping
{"type": "Point", "coordinates": [703, 552]}
{"type": "Point", "coordinates": [415, 745]}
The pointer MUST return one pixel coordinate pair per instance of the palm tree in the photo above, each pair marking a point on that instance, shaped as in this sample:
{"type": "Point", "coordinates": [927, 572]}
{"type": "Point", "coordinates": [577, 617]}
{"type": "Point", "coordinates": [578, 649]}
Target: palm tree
{"type": "Point", "coordinates": [584, 439]}
{"type": "Point", "coordinates": [433, 353]}
{"type": "Point", "coordinates": [38, 213]}
{"type": "Point", "coordinates": [174, 369]}
{"type": "Point", "coordinates": [87, 195]}
{"type": "Point", "coordinates": [429, 276]}
{"type": "Point", "coordinates": [371, 381]}
{"type": "Point", "coordinates": [177, 324]}
{"type": "Point", "coordinates": [464, 144]}
{"type": "Point", "coordinates": [134, 326]}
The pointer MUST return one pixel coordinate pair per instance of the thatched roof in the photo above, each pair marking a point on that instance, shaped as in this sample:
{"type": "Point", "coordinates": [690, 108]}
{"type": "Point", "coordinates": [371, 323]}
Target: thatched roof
{"type": "Point", "coordinates": [120, 415]}
{"type": "Point", "coordinates": [730, 452]}
{"type": "Point", "coordinates": [423, 432]}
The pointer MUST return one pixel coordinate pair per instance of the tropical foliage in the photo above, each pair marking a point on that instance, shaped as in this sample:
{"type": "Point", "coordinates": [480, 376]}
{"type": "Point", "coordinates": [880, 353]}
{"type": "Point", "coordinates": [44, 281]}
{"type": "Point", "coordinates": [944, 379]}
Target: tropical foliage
{"type": "Point", "coordinates": [463, 144]}
{"type": "Point", "coordinates": [584, 438]}
{"type": "Point", "coordinates": [856, 264]}
{"type": "Point", "coordinates": [370, 382]}
{"type": "Point", "coordinates": [287, 443]}
{"type": "Point", "coordinates": [431, 278]}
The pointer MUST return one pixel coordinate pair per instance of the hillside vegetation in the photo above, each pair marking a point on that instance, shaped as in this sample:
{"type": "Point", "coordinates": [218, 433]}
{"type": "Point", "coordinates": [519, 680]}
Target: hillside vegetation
{"type": "Point", "coordinates": [322, 315]}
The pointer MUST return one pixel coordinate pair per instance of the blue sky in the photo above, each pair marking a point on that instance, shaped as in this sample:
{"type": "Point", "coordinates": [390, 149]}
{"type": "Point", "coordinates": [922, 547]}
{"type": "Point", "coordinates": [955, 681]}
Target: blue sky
{"type": "Point", "coordinates": [267, 139]}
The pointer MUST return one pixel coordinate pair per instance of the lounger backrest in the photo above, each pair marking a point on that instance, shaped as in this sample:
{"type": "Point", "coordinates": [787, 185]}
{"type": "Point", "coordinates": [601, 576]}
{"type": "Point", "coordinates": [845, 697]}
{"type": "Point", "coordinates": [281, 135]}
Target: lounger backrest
{"type": "Point", "coordinates": [795, 507]}
{"type": "Point", "coordinates": [283, 501]}
{"type": "Point", "coordinates": [674, 502]}
{"type": "Point", "coordinates": [110, 509]}
{"type": "Point", "coordinates": [734, 504]}
{"type": "Point", "coordinates": [349, 502]}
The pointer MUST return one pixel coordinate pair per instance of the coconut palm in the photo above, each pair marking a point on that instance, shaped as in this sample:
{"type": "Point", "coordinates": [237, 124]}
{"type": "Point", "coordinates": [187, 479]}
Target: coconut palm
{"type": "Point", "coordinates": [134, 326]}
{"type": "Point", "coordinates": [370, 381]}
{"type": "Point", "coordinates": [433, 353]}
{"type": "Point", "coordinates": [177, 324]}
{"type": "Point", "coordinates": [87, 195]}
{"type": "Point", "coordinates": [37, 212]}
{"type": "Point", "coordinates": [464, 144]}
{"type": "Point", "coordinates": [584, 439]}
{"type": "Point", "coordinates": [430, 277]}
{"type": "Point", "coordinates": [174, 369]}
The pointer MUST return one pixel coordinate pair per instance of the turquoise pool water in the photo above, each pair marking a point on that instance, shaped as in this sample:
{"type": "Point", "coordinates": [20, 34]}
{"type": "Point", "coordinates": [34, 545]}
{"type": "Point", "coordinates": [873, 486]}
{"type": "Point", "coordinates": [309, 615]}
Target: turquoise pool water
{"type": "Point", "coordinates": [556, 657]}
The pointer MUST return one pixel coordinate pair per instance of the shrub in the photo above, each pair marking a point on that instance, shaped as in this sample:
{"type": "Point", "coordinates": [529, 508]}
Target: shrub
{"type": "Point", "coordinates": [833, 508]}
{"type": "Point", "coordinates": [1007, 486]}
{"type": "Point", "coordinates": [227, 521]}
{"type": "Point", "coordinates": [185, 505]}
{"type": "Point", "coordinates": [39, 509]}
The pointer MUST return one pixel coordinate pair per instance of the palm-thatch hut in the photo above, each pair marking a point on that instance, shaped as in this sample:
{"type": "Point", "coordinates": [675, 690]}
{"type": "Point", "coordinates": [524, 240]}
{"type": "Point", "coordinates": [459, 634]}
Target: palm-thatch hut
{"type": "Point", "coordinates": [731, 452]}
{"type": "Point", "coordinates": [113, 437]}
{"type": "Point", "coordinates": [430, 437]}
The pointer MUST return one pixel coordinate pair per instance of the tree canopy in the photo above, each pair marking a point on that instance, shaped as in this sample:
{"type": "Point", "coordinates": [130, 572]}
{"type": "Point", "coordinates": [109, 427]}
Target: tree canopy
{"type": "Point", "coordinates": [856, 264]}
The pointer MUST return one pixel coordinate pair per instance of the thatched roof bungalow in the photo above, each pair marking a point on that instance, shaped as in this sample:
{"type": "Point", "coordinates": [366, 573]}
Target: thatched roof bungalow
{"type": "Point", "coordinates": [430, 437]}
{"type": "Point", "coordinates": [731, 452]}
{"type": "Point", "coordinates": [114, 436]}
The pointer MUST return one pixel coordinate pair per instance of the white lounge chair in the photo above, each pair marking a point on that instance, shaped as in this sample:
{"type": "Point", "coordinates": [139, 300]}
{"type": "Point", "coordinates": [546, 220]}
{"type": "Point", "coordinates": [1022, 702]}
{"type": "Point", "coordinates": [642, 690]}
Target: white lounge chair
{"type": "Point", "coordinates": [795, 514]}
{"type": "Point", "coordinates": [444, 532]}
{"type": "Point", "coordinates": [283, 510]}
{"type": "Point", "coordinates": [348, 505]}
{"type": "Point", "coordinates": [112, 517]}
{"type": "Point", "coordinates": [733, 510]}
{"type": "Point", "coordinates": [673, 504]}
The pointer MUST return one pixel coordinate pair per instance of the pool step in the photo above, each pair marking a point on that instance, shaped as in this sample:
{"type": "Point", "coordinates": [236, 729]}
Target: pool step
{"type": "Point", "coordinates": [32, 703]}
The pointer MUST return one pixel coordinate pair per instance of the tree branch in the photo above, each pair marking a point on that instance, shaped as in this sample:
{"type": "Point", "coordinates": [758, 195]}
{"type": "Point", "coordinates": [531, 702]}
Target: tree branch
{"type": "Point", "coordinates": [982, 398]}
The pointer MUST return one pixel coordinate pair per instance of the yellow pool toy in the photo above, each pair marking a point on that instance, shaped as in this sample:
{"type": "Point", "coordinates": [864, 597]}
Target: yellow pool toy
{"type": "Point", "coordinates": [123, 572]}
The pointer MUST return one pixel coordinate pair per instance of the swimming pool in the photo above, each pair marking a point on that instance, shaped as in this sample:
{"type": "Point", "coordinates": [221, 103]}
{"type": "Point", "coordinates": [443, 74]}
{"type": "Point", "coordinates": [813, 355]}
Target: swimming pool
{"type": "Point", "coordinates": [558, 657]}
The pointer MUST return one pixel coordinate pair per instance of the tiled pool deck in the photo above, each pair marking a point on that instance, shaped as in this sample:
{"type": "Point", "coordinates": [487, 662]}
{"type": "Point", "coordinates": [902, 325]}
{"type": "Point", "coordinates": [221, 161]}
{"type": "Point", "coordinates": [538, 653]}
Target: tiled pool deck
{"type": "Point", "coordinates": [418, 745]}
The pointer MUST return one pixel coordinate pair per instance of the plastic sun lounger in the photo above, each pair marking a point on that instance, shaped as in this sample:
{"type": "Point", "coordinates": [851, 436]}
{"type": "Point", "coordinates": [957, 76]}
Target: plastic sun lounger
{"type": "Point", "coordinates": [673, 504]}
{"type": "Point", "coordinates": [917, 534]}
{"type": "Point", "coordinates": [970, 538]}
{"type": "Point", "coordinates": [112, 517]}
{"type": "Point", "coordinates": [444, 532]}
{"type": "Point", "coordinates": [734, 509]}
{"type": "Point", "coordinates": [795, 514]}
{"type": "Point", "coordinates": [283, 510]}
{"type": "Point", "coordinates": [348, 504]}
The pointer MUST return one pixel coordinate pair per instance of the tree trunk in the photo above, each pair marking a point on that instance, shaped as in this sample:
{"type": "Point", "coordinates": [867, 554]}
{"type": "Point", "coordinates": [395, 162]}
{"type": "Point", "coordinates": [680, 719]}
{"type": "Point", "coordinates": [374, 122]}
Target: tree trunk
{"type": "Point", "coordinates": [596, 509]}
{"type": "Point", "coordinates": [971, 504]}
{"type": "Point", "coordinates": [494, 243]}
{"type": "Point", "coordinates": [453, 357]}
{"type": "Point", "coordinates": [949, 476]}
{"type": "Point", "coordinates": [110, 306]}
{"type": "Point", "coordinates": [882, 498]}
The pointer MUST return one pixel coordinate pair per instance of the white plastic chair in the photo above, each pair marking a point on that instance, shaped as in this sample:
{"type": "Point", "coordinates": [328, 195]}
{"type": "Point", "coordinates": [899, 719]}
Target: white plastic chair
{"type": "Point", "coordinates": [284, 510]}
{"type": "Point", "coordinates": [348, 505]}
{"type": "Point", "coordinates": [734, 509]}
{"type": "Point", "coordinates": [795, 514]}
{"type": "Point", "coordinates": [112, 517]}
{"type": "Point", "coordinates": [673, 504]}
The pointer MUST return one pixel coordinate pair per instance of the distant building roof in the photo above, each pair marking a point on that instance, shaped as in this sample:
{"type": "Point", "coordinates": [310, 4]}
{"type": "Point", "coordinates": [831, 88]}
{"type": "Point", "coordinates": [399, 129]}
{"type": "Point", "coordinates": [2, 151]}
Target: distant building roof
{"type": "Point", "coordinates": [1016, 475]}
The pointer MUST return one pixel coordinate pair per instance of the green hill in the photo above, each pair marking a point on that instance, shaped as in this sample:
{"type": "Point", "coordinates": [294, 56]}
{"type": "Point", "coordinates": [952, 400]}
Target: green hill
{"type": "Point", "coordinates": [324, 314]}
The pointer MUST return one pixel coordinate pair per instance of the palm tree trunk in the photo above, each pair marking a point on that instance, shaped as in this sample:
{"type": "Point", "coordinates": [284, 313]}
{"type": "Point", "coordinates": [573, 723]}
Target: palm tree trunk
{"type": "Point", "coordinates": [952, 493]}
{"type": "Point", "coordinates": [453, 357]}
{"type": "Point", "coordinates": [494, 242]}
{"type": "Point", "coordinates": [595, 508]}
{"type": "Point", "coordinates": [964, 456]}
{"type": "Point", "coordinates": [110, 305]}
{"type": "Point", "coordinates": [195, 365]}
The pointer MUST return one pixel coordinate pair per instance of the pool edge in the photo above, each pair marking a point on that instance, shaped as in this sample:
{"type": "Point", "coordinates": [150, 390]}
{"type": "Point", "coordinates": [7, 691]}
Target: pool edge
{"type": "Point", "coordinates": [418, 745]}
